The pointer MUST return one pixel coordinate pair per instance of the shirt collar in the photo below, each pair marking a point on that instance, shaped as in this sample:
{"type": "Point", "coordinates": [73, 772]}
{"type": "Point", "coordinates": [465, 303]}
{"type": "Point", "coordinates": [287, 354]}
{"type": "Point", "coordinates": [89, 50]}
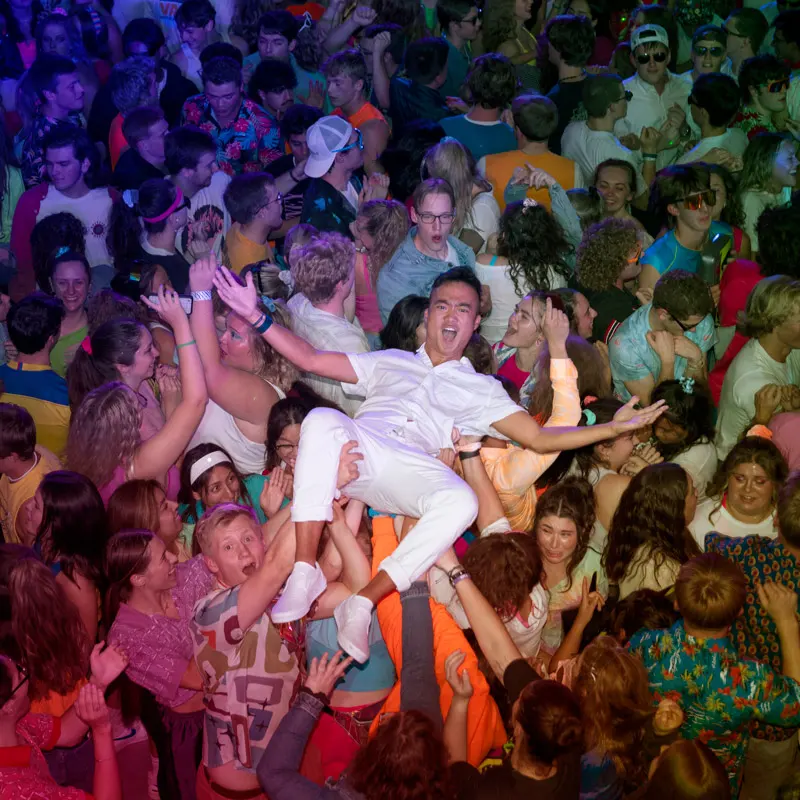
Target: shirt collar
{"type": "Point", "coordinates": [18, 366]}
{"type": "Point", "coordinates": [422, 354]}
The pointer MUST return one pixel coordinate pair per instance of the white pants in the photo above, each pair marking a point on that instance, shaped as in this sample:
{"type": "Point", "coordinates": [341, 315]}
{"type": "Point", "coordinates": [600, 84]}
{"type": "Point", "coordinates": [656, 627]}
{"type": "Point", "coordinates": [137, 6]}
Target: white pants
{"type": "Point", "coordinates": [394, 478]}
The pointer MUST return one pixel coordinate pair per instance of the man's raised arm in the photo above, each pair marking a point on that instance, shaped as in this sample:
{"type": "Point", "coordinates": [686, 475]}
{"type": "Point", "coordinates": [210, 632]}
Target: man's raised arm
{"type": "Point", "coordinates": [244, 301]}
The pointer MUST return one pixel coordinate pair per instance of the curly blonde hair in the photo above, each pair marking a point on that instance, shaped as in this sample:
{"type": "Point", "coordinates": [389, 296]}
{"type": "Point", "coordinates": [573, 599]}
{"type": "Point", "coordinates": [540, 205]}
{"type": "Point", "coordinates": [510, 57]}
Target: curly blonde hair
{"type": "Point", "coordinates": [321, 265]}
{"type": "Point", "coordinates": [603, 252]}
{"type": "Point", "coordinates": [386, 221]}
{"type": "Point", "coordinates": [269, 364]}
{"type": "Point", "coordinates": [104, 432]}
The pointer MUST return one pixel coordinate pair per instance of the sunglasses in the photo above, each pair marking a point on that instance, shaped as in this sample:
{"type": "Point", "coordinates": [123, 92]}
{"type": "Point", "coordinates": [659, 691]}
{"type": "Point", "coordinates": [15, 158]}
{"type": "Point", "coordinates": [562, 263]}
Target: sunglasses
{"type": "Point", "coordinates": [359, 143]}
{"type": "Point", "coordinates": [683, 326]}
{"type": "Point", "coordinates": [717, 52]}
{"type": "Point", "coordinates": [626, 95]}
{"type": "Point", "coordinates": [777, 86]}
{"type": "Point", "coordinates": [636, 255]}
{"type": "Point", "coordinates": [645, 58]}
{"type": "Point", "coordinates": [473, 20]}
{"type": "Point", "coordinates": [693, 202]}
{"type": "Point", "coordinates": [729, 32]}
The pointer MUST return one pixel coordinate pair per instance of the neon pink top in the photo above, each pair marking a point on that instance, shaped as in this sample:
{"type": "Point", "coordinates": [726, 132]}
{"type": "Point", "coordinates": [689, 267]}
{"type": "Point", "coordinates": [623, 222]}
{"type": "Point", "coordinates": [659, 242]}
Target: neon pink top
{"type": "Point", "coordinates": [367, 304]}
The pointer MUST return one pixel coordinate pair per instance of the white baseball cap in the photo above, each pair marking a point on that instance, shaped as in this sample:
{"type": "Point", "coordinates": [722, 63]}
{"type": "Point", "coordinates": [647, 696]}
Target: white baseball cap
{"type": "Point", "coordinates": [649, 33]}
{"type": "Point", "coordinates": [325, 138]}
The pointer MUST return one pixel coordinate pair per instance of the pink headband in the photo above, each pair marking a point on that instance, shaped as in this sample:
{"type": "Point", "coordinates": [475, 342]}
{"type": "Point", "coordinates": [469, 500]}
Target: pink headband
{"type": "Point", "coordinates": [171, 210]}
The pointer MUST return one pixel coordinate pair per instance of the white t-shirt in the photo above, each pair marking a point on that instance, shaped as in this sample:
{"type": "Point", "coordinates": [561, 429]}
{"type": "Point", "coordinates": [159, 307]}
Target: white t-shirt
{"type": "Point", "coordinates": [734, 140]}
{"type": "Point", "coordinates": [722, 522]}
{"type": "Point", "coordinates": [754, 204]}
{"type": "Point", "coordinates": [505, 297]}
{"type": "Point", "coordinates": [700, 461]}
{"type": "Point", "coordinates": [752, 369]}
{"type": "Point", "coordinates": [484, 217]}
{"type": "Point", "coordinates": [588, 149]}
{"type": "Point", "coordinates": [208, 217]}
{"type": "Point", "coordinates": [93, 210]}
{"type": "Point", "coordinates": [326, 331]}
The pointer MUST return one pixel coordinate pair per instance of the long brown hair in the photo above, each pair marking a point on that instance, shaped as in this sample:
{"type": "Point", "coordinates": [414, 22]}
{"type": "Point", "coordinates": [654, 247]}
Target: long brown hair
{"type": "Point", "coordinates": [104, 433]}
{"type": "Point", "coordinates": [617, 707]}
{"type": "Point", "coordinates": [405, 760]}
{"type": "Point", "coordinates": [126, 555]}
{"type": "Point", "coordinates": [571, 499]}
{"type": "Point", "coordinates": [650, 513]}
{"type": "Point", "coordinates": [47, 629]}
{"type": "Point", "coordinates": [133, 506]}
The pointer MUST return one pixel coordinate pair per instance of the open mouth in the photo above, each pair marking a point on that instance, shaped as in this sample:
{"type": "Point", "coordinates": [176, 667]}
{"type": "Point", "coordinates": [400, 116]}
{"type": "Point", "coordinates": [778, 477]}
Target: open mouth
{"type": "Point", "coordinates": [249, 569]}
{"type": "Point", "coordinates": [449, 334]}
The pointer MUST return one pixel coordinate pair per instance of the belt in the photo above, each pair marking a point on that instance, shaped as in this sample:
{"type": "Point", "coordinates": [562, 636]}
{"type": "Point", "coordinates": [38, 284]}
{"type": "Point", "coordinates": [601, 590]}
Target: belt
{"type": "Point", "coordinates": [356, 724]}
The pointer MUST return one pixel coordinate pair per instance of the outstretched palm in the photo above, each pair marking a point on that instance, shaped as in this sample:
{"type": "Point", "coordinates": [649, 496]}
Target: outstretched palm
{"type": "Point", "coordinates": [629, 418]}
{"type": "Point", "coordinates": [241, 299]}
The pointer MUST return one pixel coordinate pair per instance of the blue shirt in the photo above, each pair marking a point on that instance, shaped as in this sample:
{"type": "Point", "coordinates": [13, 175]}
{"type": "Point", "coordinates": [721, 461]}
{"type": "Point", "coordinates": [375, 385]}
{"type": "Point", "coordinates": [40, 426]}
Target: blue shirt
{"type": "Point", "coordinates": [632, 358]}
{"type": "Point", "coordinates": [668, 253]}
{"type": "Point", "coordinates": [480, 138]}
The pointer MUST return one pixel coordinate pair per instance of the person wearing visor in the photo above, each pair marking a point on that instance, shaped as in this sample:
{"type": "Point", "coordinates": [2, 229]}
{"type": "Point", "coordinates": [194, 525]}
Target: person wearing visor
{"type": "Point", "coordinates": [763, 82]}
{"type": "Point", "coordinates": [709, 53]}
{"type": "Point", "coordinates": [335, 154]}
{"type": "Point", "coordinates": [682, 200]}
{"type": "Point", "coordinates": [659, 99]}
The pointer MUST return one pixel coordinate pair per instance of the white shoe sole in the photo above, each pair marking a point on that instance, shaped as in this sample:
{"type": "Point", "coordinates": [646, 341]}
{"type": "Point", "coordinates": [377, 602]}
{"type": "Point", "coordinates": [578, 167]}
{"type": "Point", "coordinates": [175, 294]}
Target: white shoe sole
{"type": "Point", "coordinates": [281, 615]}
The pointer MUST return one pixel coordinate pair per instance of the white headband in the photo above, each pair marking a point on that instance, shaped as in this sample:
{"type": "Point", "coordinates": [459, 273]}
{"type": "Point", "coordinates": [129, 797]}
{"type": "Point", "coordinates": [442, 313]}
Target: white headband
{"type": "Point", "coordinates": [206, 463]}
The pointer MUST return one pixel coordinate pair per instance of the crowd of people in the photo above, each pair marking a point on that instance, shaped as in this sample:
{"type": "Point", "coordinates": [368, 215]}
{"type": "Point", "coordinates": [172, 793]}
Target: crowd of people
{"type": "Point", "coordinates": [398, 400]}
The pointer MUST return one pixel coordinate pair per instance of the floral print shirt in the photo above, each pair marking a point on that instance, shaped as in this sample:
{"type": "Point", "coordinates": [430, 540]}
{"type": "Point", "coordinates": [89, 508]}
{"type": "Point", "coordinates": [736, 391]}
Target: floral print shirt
{"type": "Point", "coordinates": [248, 145]}
{"type": "Point", "coordinates": [753, 123]}
{"type": "Point", "coordinates": [754, 632]}
{"type": "Point", "coordinates": [31, 158]}
{"type": "Point", "coordinates": [719, 692]}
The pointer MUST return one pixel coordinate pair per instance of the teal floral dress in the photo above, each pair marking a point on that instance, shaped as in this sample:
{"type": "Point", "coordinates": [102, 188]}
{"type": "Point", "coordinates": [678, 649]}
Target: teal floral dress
{"type": "Point", "coordinates": [720, 693]}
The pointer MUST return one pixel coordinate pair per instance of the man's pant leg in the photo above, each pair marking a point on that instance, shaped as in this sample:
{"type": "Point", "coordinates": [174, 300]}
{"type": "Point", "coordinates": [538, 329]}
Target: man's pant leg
{"type": "Point", "coordinates": [767, 766]}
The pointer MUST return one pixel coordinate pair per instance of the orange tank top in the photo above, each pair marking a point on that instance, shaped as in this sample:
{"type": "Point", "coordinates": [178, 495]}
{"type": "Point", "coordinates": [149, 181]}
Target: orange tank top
{"type": "Point", "coordinates": [500, 167]}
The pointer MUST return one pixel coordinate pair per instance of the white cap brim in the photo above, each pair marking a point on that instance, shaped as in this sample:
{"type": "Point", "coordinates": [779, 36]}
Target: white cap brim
{"type": "Point", "coordinates": [317, 166]}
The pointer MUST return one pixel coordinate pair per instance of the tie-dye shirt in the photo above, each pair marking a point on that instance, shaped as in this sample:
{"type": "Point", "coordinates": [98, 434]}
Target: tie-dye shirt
{"type": "Point", "coordinates": [248, 676]}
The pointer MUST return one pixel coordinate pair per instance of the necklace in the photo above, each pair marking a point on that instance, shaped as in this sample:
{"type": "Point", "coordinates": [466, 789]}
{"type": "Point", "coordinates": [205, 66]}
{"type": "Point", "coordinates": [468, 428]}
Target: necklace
{"type": "Point", "coordinates": [578, 77]}
{"type": "Point", "coordinates": [27, 471]}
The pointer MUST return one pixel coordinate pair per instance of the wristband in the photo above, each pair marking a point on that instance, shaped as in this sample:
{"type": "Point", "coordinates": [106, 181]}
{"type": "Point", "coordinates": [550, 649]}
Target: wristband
{"type": "Point", "coordinates": [465, 454]}
{"type": "Point", "coordinates": [649, 156]}
{"type": "Point", "coordinates": [205, 294]}
{"type": "Point", "coordinates": [458, 573]}
{"type": "Point", "coordinates": [185, 344]}
{"type": "Point", "coordinates": [263, 324]}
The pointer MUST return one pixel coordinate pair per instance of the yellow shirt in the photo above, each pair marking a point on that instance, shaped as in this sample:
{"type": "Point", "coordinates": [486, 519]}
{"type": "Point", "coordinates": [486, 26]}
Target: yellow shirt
{"type": "Point", "coordinates": [14, 494]}
{"type": "Point", "coordinates": [239, 251]}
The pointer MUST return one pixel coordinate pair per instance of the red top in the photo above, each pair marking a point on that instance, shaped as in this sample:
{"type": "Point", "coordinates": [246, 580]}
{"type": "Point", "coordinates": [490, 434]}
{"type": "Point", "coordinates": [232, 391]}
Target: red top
{"type": "Point", "coordinates": [737, 282]}
{"type": "Point", "coordinates": [510, 370]}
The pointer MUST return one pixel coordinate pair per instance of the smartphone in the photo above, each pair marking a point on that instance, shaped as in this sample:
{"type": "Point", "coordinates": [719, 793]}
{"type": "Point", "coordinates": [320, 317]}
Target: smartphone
{"type": "Point", "coordinates": [184, 299]}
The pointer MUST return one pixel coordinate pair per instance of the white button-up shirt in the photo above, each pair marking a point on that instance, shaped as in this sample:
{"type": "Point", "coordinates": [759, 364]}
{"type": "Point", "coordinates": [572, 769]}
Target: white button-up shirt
{"type": "Point", "coordinates": [648, 109]}
{"type": "Point", "coordinates": [405, 395]}
{"type": "Point", "coordinates": [326, 331]}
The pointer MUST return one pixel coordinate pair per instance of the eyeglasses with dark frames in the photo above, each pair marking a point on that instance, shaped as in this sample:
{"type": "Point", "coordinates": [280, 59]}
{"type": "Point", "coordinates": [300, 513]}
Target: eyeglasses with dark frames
{"type": "Point", "coordinates": [683, 326]}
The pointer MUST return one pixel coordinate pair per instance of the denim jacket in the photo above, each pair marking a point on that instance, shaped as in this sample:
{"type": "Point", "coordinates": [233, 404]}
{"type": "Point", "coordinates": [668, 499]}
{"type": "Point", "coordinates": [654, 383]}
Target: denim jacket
{"type": "Point", "coordinates": [410, 272]}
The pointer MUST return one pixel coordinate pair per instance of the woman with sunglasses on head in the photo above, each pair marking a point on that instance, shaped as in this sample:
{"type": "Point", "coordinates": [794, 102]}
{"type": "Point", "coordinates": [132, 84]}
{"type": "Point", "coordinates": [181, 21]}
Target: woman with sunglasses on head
{"type": "Point", "coordinates": [681, 198]}
{"type": "Point", "coordinates": [144, 225]}
{"type": "Point", "coordinates": [767, 179]}
{"type": "Point", "coordinates": [764, 82]}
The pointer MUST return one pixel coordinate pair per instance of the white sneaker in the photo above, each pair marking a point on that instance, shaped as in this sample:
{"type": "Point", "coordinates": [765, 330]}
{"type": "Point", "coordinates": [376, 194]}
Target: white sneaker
{"type": "Point", "coordinates": [303, 587]}
{"type": "Point", "coordinates": [353, 617]}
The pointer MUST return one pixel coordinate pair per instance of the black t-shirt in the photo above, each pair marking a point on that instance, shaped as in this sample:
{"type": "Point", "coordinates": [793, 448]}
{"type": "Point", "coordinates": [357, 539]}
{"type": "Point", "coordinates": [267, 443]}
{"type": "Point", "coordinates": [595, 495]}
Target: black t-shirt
{"type": "Point", "coordinates": [504, 783]}
{"type": "Point", "coordinates": [568, 98]}
{"type": "Point", "coordinates": [613, 307]}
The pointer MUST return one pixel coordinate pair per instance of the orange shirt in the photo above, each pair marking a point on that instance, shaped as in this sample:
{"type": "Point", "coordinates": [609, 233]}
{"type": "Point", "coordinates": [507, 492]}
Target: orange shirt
{"type": "Point", "coordinates": [500, 167]}
{"type": "Point", "coordinates": [117, 143]}
{"type": "Point", "coordinates": [365, 114]}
